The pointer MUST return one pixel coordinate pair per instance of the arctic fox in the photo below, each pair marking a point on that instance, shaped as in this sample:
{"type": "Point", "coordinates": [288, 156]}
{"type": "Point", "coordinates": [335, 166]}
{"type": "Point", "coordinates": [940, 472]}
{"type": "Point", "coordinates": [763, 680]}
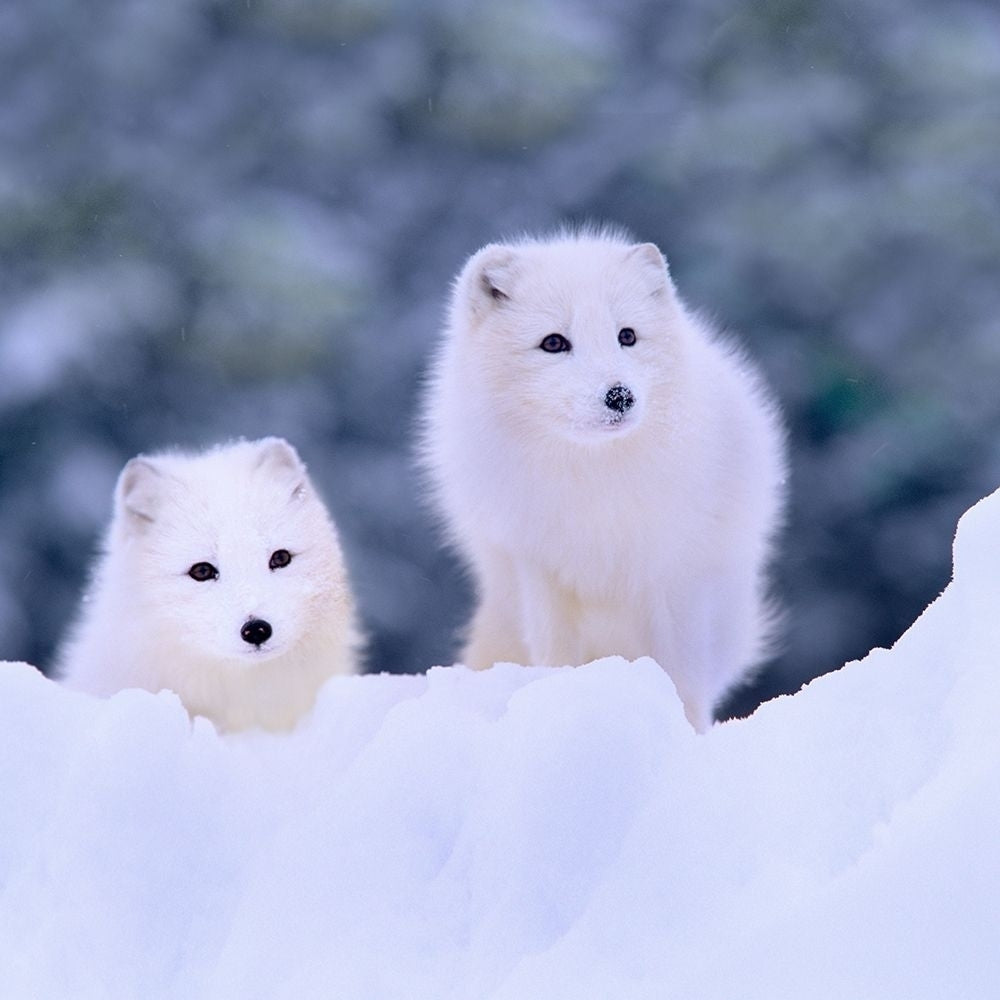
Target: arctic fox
{"type": "Point", "coordinates": [611, 471]}
{"type": "Point", "coordinates": [222, 579]}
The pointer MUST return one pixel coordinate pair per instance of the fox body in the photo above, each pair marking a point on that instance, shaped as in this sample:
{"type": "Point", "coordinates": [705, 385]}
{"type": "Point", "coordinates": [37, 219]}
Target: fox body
{"type": "Point", "coordinates": [611, 471]}
{"type": "Point", "coordinates": [221, 579]}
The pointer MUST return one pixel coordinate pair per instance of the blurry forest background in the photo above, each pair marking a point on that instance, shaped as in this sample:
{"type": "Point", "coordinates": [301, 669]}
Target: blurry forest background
{"type": "Point", "coordinates": [223, 219]}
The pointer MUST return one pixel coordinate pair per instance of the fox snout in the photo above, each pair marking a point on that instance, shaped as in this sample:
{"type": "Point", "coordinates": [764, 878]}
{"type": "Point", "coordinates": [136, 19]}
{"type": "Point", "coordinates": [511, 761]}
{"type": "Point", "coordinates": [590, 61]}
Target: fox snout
{"type": "Point", "coordinates": [256, 632]}
{"type": "Point", "coordinates": [619, 399]}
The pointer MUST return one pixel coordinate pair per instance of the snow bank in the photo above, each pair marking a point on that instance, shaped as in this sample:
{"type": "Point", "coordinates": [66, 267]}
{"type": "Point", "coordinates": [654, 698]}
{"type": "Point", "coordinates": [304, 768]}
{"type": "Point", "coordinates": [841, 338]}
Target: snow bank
{"type": "Point", "coordinates": [522, 833]}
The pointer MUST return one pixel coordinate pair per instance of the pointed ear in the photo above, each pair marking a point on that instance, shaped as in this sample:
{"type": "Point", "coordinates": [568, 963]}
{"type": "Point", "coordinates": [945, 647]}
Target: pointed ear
{"type": "Point", "coordinates": [278, 458]}
{"type": "Point", "coordinates": [140, 491]}
{"type": "Point", "coordinates": [653, 267]}
{"type": "Point", "coordinates": [497, 271]}
{"type": "Point", "coordinates": [487, 280]}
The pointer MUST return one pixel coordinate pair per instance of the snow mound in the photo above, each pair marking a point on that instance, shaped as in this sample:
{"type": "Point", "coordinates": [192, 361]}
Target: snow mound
{"type": "Point", "coordinates": [522, 833]}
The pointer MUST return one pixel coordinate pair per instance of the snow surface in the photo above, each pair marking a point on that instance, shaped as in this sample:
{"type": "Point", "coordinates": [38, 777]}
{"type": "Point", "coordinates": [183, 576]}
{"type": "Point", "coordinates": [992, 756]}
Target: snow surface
{"type": "Point", "coordinates": [522, 833]}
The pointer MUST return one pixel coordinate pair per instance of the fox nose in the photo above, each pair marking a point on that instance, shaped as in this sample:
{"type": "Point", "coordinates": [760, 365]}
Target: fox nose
{"type": "Point", "coordinates": [619, 398]}
{"type": "Point", "coordinates": [256, 631]}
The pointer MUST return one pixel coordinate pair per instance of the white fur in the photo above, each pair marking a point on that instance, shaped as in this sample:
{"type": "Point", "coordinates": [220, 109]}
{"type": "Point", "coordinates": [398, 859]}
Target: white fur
{"type": "Point", "coordinates": [146, 623]}
{"type": "Point", "coordinates": [590, 536]}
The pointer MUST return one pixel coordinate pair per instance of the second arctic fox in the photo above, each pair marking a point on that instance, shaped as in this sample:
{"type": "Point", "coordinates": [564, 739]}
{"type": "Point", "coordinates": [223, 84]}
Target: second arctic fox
{"type": "Point", "coordinates": [609, 468]}
{"type": "Point", "coordinates": [223, 580]}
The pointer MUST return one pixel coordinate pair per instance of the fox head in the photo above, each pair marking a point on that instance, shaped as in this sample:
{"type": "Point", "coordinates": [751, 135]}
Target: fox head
{"type": "Point", "coordinates": [575, 336]}
{"type": "Point", "coordinates": [228, 555]}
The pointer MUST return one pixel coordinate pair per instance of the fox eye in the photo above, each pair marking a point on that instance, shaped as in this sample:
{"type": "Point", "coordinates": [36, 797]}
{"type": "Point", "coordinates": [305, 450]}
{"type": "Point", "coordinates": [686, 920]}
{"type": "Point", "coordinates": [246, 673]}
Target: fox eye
{"type": "Point", "coordinates": [203, 571]}
{"type": "Point", "coordinates": [626, 336]}
{"type": "Point", "coordinates": [555, 343]}
{"type": "Point", "coordinates": [279, 558]}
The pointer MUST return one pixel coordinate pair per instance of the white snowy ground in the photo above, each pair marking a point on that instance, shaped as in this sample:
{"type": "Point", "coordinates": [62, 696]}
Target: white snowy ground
{"type": "Point", "coordinates": [522, 833]}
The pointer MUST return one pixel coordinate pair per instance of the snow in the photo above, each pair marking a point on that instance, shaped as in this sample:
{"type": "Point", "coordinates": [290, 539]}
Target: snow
{"type": "Point", "coordinates": [522, 833]}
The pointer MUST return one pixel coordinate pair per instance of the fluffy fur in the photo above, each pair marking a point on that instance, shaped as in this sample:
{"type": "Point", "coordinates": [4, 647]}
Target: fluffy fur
{"type": "Point", "coordinates": [594, 529]}
{"type": "Point", "coordinates": [147, 623]}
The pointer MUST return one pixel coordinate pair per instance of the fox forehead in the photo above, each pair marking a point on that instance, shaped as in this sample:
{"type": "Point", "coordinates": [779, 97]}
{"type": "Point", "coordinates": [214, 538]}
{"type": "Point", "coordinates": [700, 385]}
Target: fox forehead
{"type": "Point", "coordinates": [231, 524]}
{"type": "Point", "coordinates": [587, 313]}
{"type": "Point", "coordinates": [597, 294]}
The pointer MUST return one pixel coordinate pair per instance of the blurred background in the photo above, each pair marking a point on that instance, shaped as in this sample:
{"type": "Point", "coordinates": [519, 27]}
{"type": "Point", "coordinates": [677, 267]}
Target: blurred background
{"type": "Point", "coordinates": [223, 219]}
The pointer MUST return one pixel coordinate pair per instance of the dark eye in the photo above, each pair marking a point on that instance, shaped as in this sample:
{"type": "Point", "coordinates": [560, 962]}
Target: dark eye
{"type": "Point", "coordinates": [279, 558]}
{"type": "Point", "coordinates": [202, 572]}
{"type": "Point", "coordinates": [626, 336]}
{"type": "Point", "coordinates": [554, 343]}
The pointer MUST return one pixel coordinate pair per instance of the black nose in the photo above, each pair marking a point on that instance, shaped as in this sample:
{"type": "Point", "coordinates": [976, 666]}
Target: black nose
{"type": "Point", "coordinates": [256, 631]}
{"type": "Point", "coordinates": [619, 398]}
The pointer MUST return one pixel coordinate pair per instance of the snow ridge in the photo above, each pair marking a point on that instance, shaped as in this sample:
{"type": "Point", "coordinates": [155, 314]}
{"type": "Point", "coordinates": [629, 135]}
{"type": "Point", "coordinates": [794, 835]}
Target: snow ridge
{"type": "Point", "coordinates": [521, 832]}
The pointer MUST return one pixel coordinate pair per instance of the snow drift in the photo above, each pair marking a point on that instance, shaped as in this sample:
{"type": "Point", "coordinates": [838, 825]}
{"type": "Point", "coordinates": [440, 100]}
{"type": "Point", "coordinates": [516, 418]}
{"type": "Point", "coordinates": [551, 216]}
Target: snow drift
{"type": "Point", "coordinates": [522, 833]}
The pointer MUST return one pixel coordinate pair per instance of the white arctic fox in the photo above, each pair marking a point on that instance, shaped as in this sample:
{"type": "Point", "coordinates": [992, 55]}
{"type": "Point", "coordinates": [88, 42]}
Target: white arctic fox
{"type": "Point", "coordinates": [611, 471]}
{"type": "Point", "coordinates": [222, 579]}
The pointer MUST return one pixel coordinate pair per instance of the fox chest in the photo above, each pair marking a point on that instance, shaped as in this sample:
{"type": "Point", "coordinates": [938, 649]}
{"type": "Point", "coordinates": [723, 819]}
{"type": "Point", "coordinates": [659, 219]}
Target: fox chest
{"type": "Point", "coordinates": [587, 527]}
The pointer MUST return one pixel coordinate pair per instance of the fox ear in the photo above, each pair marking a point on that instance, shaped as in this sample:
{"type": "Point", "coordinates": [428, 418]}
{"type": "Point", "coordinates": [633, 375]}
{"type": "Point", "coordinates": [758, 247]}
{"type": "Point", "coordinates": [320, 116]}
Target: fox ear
{"type": "Point", "coordinates": [487, 279]}
{"type": "Point", "coordinates": [497, 267]}
{"type": "Point", "coordinates": [651, 263]}
{"type": "Point", "coordinates": [278, 458]}
{"type": "Point", "coordinates": [139, 491]}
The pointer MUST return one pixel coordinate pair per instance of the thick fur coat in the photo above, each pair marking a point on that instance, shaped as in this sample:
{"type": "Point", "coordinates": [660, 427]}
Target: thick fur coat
{"type": "Point", "coordinates": [610, 469]}
{"type": "Point", "coordinates": [221, 579]}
